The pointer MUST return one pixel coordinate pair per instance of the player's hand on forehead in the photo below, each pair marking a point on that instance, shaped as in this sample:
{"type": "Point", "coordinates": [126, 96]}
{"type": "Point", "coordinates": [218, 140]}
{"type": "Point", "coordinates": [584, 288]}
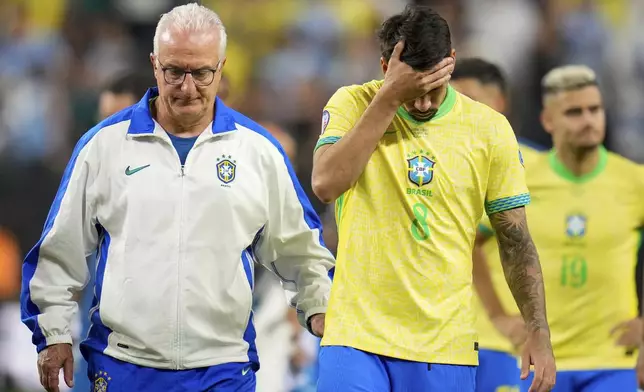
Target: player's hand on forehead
{"type": "Point", "coordinates": [404, 84]}
{"type": "Point", "coordinates": [439, 74]}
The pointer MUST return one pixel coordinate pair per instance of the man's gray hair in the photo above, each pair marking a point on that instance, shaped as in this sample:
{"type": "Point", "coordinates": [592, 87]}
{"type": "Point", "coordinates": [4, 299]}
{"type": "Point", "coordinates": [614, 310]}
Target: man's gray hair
{"type": "Point", "coordinates": [191, 17]}
{"type": "Point", "coordinates": [567, 78]}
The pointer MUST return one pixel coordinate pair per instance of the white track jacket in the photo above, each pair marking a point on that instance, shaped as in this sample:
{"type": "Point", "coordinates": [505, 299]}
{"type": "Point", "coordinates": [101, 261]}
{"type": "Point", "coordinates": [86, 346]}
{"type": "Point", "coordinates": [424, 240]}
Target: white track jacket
{"type": "Point", "coordinates": [176, 245]}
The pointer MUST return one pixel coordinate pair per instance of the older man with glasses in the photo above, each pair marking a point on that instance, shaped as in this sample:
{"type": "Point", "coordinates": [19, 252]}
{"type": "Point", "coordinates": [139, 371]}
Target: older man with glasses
{"type": "Point", "coordinates": [181, 196]}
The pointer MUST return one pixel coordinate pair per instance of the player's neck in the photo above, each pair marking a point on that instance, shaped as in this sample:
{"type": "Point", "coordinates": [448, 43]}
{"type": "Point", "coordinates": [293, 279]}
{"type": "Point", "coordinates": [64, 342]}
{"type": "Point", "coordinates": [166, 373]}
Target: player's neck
{"type": "Point", "coordinates": [579, 162]}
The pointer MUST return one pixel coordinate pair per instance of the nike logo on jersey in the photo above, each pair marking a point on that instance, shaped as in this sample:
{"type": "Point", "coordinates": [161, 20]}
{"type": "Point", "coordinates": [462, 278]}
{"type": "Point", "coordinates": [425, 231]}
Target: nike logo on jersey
{"type": "Point", "coordinates": [129, 172]}
{"type": "Point", "coordinates": [245, 371]}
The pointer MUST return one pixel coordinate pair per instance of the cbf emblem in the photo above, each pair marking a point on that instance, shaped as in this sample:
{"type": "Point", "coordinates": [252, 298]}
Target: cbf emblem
{"type": "Point", "coordinates": [420, 169]}
{"type": "Point", "coordinates": [226, 169]}
{"type": "Point", "coordinates": [101, 379]}
{"type": "Point", "coordinates": [576, 225]}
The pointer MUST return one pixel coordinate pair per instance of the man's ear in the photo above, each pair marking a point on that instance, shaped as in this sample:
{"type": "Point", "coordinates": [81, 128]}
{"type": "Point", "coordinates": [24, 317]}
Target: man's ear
{"type": "Point", "coordinates": [384, 64]}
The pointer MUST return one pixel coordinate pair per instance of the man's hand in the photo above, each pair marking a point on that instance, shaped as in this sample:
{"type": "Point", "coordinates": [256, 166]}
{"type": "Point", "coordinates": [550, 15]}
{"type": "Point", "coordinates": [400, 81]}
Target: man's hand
{"type": "Point", "coordinates": [512, 327]}
{"type": "Point", "coordinates": [629, 333]}
{"type": "Point", "coordinates": [317, 324]}
{"type": "Point", "coordinates": [50, 361]}
{"type": "Point", "coordinates": [538, 352]}
{"type": "Point", "coordinates": [403, 84]}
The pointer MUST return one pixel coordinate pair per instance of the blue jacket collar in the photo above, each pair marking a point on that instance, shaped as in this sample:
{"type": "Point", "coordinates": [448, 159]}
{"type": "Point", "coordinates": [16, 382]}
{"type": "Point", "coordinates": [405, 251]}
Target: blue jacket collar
{"type": "Point", "coordinates": [142, 123]}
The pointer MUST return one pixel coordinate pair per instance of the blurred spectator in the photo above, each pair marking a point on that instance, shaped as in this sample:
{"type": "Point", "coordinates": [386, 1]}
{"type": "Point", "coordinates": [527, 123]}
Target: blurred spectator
{"type": "Point", "coordinates": [125, 90]}
{"type": "Point", "coordinates": [111, 53]}
{"type": "Point", "coordinates": [32, 68]}
{"type": "Point", "coordinates": [286, 141]}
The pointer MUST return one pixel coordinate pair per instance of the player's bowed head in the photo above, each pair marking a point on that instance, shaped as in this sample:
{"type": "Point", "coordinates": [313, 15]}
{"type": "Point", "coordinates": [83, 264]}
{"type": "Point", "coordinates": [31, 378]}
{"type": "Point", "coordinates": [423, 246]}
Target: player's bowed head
{"type": "Point", "coordinates": [188, 57]}
{"type": "Point", "coordinates": [417, 60]}
{"type": "Point", "coordinates": [427, 45]}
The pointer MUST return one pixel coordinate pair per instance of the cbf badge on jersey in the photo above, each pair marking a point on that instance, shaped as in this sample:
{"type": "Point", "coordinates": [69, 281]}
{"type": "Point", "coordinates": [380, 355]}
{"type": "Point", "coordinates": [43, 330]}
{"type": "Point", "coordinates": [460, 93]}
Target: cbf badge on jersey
{"type": "Point", "coordinates": [226, 169]}
{"type": "Point", "coordinates": [576, 225]}
{"type": "Point", "coordinates": [326, 116]}
{"type": "Point", "coordinates": [420, 169]}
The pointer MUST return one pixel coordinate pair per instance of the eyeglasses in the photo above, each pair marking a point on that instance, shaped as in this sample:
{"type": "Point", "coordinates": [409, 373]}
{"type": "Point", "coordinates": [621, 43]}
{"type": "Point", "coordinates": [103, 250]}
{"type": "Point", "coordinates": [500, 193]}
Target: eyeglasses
{"type": "Point", "coordinates": [202, 77]}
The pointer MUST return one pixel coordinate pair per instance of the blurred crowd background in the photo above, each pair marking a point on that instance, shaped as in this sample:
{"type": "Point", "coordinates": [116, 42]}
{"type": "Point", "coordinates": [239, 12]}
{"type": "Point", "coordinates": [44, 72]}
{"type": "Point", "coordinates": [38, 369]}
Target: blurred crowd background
{"type": "Point", "coordinates": [285, 59]}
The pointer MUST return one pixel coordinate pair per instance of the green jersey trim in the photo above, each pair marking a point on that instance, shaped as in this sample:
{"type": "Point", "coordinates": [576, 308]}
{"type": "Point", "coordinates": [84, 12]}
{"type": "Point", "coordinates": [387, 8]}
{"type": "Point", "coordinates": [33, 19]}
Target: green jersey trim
{"type": "Point", "coordinates": [326, 140]}
{"type": "Point", "coordinates": [563, 172]}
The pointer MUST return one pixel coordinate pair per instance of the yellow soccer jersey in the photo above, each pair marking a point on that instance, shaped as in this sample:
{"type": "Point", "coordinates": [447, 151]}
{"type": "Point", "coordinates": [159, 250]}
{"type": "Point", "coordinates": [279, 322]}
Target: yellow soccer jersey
{"type": "Point", "coordinates": [489, 337]}
{"type": "Point", "coordinates": [586, 230]}
{"type": "Point", "coordinates": [403, 281]}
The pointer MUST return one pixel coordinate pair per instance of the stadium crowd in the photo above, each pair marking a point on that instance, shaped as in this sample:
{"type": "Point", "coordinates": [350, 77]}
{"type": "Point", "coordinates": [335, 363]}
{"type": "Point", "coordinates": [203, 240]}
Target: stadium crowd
{"type": "Point", "coordinates": [285, 58]}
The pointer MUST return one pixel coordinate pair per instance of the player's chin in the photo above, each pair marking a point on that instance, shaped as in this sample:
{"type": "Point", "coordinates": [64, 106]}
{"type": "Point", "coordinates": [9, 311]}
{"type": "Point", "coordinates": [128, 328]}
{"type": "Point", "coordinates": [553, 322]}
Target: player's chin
{"type": "Point", "coordinates": [188, 109]}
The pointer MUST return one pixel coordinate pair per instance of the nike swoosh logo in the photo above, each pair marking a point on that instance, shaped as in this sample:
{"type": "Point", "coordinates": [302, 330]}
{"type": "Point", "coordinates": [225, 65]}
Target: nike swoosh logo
{"type": "Point", "coordinates": [245, 371]}
{"type": "Point", "coordinates": [129, 172]}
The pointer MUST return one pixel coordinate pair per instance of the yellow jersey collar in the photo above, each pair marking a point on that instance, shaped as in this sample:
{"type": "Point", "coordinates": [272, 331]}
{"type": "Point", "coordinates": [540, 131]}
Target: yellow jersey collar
{"type": "Point", "coordinates": [559, 168]}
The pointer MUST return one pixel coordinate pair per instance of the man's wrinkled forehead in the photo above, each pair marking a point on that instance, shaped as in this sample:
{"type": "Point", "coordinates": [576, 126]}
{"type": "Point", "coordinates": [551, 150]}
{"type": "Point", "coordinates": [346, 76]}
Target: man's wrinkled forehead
{"type": "Point", "coordinates": [182, 47]}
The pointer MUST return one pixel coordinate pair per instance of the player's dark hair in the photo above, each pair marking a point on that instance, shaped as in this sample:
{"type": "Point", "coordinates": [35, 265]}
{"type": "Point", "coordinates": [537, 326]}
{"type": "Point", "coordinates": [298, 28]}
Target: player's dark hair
{"type": "Point", "coordinates": [426, 35]}
{"type": "Point", "coordinates": [134, 83]}
{"type": "Point", "coordinates": [482, 71]}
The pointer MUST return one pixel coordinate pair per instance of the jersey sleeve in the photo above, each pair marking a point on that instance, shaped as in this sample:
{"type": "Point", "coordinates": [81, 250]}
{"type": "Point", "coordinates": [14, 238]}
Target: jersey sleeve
{"type": "Point", "coordinates": [339, 116]}
{"type": "Point", "coordinates": [506, 187]}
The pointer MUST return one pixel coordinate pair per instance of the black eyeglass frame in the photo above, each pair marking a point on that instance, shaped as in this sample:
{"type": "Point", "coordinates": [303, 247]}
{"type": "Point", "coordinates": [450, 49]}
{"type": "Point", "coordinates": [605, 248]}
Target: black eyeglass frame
{"type": "Point", "coordinates": [199, 82]}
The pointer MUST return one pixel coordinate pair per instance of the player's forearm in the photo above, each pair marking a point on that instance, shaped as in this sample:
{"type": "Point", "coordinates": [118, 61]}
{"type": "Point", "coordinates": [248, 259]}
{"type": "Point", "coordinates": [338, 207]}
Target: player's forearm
{"type": "Point", "coordinates": [521, 266]}
{"type": "Point", "coordinates": [483, 280]}
{"type": "Point", "coordinates": [337, 167]}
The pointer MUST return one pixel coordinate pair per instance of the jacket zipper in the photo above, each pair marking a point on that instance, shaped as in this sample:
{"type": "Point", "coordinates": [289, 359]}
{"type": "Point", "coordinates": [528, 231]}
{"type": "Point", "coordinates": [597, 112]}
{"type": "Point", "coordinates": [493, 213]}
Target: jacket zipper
{"type": "Point", "coordinates": [179, 360]}
{"type": "Point", "coordinates": [176, 361]}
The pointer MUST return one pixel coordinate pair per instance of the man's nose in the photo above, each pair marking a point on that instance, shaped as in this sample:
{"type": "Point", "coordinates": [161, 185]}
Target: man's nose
{"type": "Point", "coordinates": [423, 104]}
{"type": "Point", "coordinates": [188, 84]}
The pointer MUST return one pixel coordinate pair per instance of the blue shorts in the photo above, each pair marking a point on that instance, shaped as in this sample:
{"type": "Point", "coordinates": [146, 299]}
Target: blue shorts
{"type": "Point", "coordinates": [498, 371]}
{"type": "Point", "coordinates": [345, 369]}
{"type": "Point", "coordinates": [622, 380]}
{"type": "Point", "coordinates": [111, 375]}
